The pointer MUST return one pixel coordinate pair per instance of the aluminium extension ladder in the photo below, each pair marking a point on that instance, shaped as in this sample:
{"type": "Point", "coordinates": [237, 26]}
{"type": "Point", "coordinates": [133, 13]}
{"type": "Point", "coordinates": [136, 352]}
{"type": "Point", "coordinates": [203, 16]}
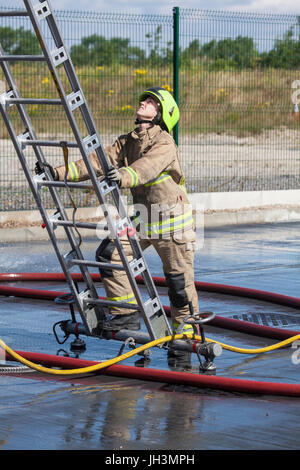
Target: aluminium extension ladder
{"type": "Point", "coordinates": [87, 302]}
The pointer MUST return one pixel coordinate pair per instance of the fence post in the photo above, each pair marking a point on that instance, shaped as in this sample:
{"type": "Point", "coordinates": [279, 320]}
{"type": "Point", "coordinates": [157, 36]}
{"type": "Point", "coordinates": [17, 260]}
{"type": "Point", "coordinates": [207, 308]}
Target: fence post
{"type": "Point", "coordinates": [176, 63]}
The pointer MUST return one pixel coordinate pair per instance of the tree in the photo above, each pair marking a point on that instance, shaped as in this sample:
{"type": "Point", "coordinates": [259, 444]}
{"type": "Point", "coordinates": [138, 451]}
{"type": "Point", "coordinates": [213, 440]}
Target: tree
{"type": "Point", "coordinates": [285, 53]}
{"type": "Point", "coordinates": [190, 53]}
{"type": "Point", "coordinates": [159, 55]}
{"type": "Point", "coordinates": [18, 41]}
{"type": "Point", "coordinates": [238, 53]}
{"type": "Point", "coordinates": [97, 50]}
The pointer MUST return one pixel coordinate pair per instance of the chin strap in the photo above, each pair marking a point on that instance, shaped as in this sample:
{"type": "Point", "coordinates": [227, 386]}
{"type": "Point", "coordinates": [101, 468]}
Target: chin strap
{"type": "Point", "coordinates": [156, 120]}
{"type": "Point", "coordinates": [143, 121]}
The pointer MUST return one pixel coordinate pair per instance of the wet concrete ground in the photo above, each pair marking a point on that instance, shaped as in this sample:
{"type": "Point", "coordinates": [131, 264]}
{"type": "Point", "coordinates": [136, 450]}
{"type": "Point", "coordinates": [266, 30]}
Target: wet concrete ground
{"type": "Point", "coordinates": [41, 412]}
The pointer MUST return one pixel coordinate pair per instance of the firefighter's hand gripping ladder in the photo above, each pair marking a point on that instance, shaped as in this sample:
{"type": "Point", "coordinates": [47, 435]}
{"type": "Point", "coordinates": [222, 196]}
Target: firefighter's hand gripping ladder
{"type": "Point", "coordinates": [90, 307]}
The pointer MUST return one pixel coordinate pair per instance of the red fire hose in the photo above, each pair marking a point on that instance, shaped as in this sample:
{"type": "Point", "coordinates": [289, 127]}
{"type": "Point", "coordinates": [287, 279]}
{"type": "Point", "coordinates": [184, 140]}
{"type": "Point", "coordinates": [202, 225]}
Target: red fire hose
{"type": "Point", "coordinates": [226, 323]}
{"type": "Point", "coordinates": [183, 378]}
{"type": "Point", "coordinates": [171, 377]}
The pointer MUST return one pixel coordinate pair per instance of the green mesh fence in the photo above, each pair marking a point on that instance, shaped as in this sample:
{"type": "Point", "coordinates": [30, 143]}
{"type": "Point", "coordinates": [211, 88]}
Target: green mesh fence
{"type": "Point", "coordinates": [237, 83]}
{"type": "Point", "coordinates": [237, 74]}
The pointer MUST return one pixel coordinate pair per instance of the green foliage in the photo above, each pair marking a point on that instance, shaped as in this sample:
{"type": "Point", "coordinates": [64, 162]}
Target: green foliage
{"type": "Point", "coordinates": [224, 54]}
{"type": "Point", "coordinates": [159, 55]}
{"type": "Point", "coordinates": [231, 53]}
{"type": "Point", "coordinates": [285, 53]}
{"type": "Point", "coordinates": [96, 50]}
{"type": "Point", "coordinates": [18, 41]}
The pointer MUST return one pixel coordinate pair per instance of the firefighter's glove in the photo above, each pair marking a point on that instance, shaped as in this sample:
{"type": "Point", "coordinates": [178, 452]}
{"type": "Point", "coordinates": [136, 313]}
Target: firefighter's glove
{"type": "Point", "coordinates": [114, 175]}
{"type": "Point", "coordinates": [39, 170]}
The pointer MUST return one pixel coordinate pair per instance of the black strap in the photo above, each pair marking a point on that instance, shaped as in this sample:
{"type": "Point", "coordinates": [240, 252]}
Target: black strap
{"type": "Point", "coordinates": [65, 150]}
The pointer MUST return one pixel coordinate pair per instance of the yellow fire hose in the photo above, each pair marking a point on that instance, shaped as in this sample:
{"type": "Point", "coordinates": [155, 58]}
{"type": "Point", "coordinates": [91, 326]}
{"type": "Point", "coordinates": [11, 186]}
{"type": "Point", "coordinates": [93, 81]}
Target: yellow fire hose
{"type": "Point", "coordinates": [142, 348]}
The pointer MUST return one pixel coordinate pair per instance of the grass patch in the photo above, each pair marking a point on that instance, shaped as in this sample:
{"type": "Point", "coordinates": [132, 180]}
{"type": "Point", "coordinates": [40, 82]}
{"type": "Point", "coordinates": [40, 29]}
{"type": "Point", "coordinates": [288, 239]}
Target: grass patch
{"type": "Point", "coordinates": [243, 102]}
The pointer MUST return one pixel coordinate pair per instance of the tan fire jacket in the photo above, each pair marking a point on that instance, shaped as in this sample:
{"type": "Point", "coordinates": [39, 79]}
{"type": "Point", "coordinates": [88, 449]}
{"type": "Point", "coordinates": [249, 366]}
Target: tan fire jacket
{"type": "Point", "coordinates": [149, 166]}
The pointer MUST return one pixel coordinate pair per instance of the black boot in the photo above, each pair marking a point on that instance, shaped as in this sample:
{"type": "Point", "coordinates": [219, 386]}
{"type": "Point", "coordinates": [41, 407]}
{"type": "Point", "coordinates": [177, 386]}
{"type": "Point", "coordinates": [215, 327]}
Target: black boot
{"type": "Point", "coordinates": [122, 322]}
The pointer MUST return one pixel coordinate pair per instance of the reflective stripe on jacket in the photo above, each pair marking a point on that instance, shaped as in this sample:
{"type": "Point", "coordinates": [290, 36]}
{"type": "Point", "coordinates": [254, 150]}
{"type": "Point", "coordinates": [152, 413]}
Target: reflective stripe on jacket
{"type": "Point", "coordinates": [149, 165]}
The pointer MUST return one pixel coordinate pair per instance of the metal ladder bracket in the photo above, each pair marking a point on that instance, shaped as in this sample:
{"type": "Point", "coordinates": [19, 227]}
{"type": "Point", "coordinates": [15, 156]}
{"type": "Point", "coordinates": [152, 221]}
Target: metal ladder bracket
{"type": "Point", "coordinates": [42, 10]}
{"type": "Point", "coordinates": [156, 319]}
{"type": "Point", "coordinates": [37, 181]}
{"type": "Point", "coordinates": [59, 56]}
{"type": "Point", "coordinates": [151, 307]}
{"type": "Point", "coordinates": [75, 100]}
{"type": "Point", "coordinates": [5, 96]}
{"type": "Point", "coordinates": [105, 187]}
{"type": "Point", "coordinates": [91, 143]}
{"type": "Point", "coordinates": [122, 226]}
{"type": "Point", "coordinates": [22, 138]}
{"type": "Point", "coordinates": [68, 258]}
{"type": "Point", "coordinates": [94, 317]}
{"type": "Point", "coordinates": [54, 218]}
{"type": "Point", "coordinates": [137, 266]}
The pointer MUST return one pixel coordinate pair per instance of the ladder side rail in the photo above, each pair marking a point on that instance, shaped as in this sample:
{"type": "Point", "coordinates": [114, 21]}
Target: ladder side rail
{"type": "Point", "coordinates": [37, 150]}
{"type": "Point", "coordinates": [75, 87]}
{"type": "Point", "coordinates": [145, 273]}
{"type": "Point", "coordinates": [94, 315]}
{"type": "Point", "coordinates": [97, 146]}
{"type": "Point", "coordinates": [132, 279]}
{"type": "Point", "coordinates": [149, 283]}
{"type": "Point", "coordinates": [33, 190]}
{"type": "Point", "coordinates": [59, 206]}
{"type": "Point", "coordinates": [28, 127]}
{"type": "Point", "coordinates": [49, 143]}
{"type": "Point", "coordinates": [86, 112]}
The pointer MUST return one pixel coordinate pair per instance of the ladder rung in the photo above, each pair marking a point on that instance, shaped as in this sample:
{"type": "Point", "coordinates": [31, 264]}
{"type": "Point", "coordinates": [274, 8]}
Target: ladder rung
{"type": "Point", "coordinates": [14, 13]}
{"type": "Point", "coordinates": [69, 223]}
{"type": "Point", "coordinates": [111, 303]}
{"type": "Point", "coordinates": [62, 184]}
{"type": "Point", "coordinates": [88, 302]}
{"type": "Point", "coordinates": [97, 264]}
{"type": "Point", "coordinates": [47, 143]}
{"type": "Point", "coordinates": [14, 58]}
{"type": "Point", "coordinates": [32, 101]}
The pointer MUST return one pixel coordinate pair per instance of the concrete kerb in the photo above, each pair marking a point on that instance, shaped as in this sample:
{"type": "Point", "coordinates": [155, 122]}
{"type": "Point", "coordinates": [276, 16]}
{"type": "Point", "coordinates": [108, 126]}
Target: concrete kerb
{"type": "Point", "coordinates": [248, 207]}
{"type": "Point", "coordinates": [210, 210]}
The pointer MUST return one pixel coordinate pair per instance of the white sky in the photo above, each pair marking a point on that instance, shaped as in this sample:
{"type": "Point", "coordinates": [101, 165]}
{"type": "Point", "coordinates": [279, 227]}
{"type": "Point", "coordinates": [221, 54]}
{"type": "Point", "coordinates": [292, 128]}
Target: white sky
{"type": "Point", "coordinates": [165, 6]}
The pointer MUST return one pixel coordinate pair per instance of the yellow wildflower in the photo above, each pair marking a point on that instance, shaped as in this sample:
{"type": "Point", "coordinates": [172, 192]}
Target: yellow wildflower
{"type": "Point", "coordinates": [167, 87]}
{"type": "Point", "coordinates": [139, 72]}
{"type": "Point", "coordinates": [126, 107]}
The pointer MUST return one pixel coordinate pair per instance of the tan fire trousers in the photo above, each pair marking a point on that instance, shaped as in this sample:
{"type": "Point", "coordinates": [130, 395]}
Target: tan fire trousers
{"type": "Point", "coordinates": [177, 256]}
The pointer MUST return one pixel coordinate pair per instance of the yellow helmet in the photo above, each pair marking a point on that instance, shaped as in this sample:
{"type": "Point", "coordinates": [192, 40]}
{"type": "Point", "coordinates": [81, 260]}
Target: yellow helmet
{"type": "Point", "coordinates": [168, 114]}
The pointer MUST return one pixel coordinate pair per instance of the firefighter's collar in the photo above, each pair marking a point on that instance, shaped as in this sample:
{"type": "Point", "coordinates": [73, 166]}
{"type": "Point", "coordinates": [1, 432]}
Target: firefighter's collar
{"type": "Point", "coordinates": [151, 132]}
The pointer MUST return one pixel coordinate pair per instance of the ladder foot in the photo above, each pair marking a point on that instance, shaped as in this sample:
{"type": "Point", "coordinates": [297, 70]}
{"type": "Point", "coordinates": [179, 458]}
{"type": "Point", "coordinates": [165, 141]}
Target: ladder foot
{"type": "Point", "coordinates": [78, 345]}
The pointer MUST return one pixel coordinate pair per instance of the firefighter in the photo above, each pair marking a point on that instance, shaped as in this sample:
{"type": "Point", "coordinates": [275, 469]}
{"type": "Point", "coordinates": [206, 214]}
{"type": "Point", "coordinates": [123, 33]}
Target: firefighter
{"type": "Point", "coordinates": [146, 161]}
